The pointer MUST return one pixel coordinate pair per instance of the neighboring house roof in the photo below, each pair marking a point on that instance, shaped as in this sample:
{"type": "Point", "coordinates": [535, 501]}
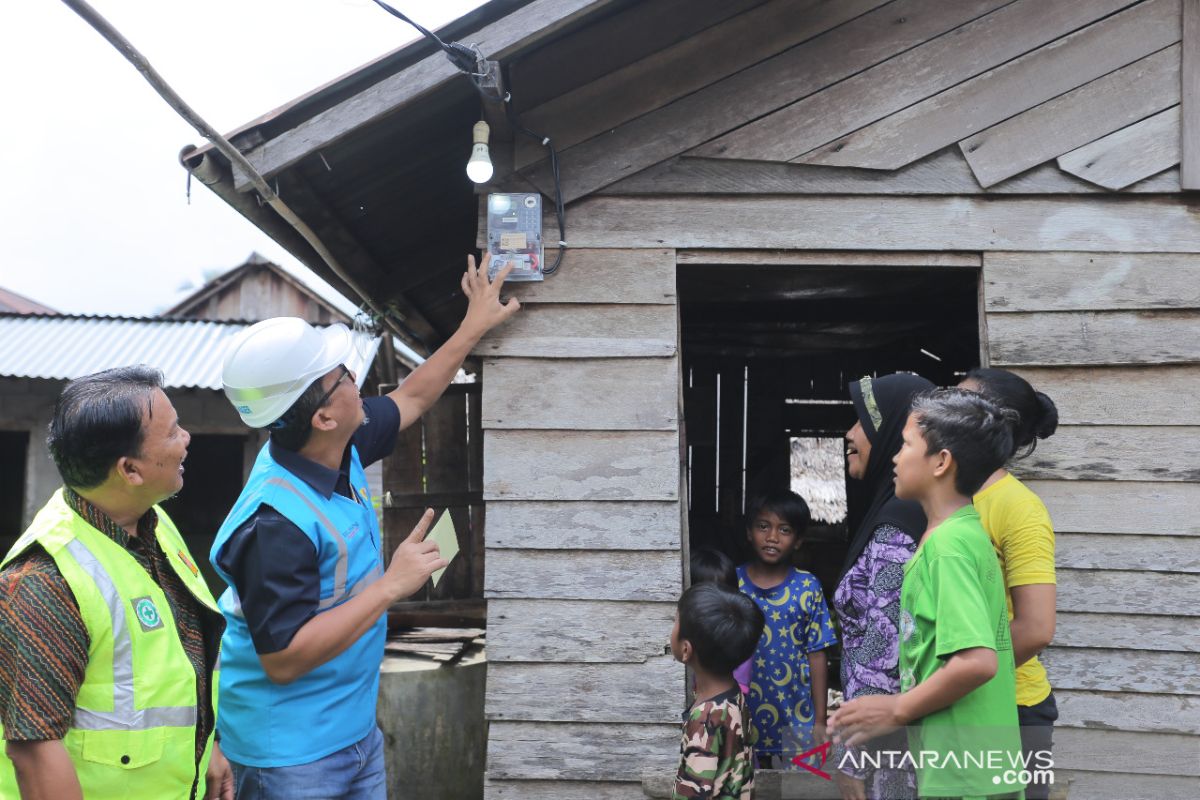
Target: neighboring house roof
{"type": "Point", "coordinates": [189, 352]}
{"type": "Point", "coordinates": [193, 304]}
{"type": "Point", "coordinates": [13, 303]}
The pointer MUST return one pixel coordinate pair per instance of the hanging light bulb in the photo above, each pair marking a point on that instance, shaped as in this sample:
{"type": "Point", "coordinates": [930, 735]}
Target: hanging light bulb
{"type": "Point", "coordinates": [479, 165]}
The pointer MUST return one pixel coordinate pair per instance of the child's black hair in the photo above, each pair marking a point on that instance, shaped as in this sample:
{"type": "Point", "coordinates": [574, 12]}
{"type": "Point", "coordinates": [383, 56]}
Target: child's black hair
{"type": "Point", "coordinates": [710, 565]}
{"type": "Point", "coordinates": [1038, 414]}
{"type": "Point", "coordinates": [722, 624]}
{"type": "Point", "coordinates": [789, 506]}
{"type": "Point", "coordinates": [976, 431]}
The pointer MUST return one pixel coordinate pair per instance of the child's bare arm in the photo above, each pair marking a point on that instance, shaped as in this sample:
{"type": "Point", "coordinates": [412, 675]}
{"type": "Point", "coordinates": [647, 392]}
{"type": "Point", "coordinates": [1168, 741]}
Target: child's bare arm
{"type": "Point", "coordinates": [965, 671]}
{"type": "Point", "coordinates": [818, 673]}
{"type": "Point", "coordinates": [864, 718]}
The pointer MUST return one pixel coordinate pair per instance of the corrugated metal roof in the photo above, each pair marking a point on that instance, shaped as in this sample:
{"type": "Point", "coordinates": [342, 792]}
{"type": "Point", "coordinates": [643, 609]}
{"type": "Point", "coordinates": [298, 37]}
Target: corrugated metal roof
{"type": "Point", "coordinates": [189, 352]}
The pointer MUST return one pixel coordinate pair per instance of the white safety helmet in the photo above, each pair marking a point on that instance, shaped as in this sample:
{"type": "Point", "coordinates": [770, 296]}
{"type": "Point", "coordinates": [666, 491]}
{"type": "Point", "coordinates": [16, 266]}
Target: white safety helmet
{"type": "Point", "coordinates": [270, 364]}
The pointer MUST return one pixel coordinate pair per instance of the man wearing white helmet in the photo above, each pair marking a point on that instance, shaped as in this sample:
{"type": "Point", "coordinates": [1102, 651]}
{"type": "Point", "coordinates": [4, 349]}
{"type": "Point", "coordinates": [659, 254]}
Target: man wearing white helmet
{"type": "Point", "coordinates": [300, 551]}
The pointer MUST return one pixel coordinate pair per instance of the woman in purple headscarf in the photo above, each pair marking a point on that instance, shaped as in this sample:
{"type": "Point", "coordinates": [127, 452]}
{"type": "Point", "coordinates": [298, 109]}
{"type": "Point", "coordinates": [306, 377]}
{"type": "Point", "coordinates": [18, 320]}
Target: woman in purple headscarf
{"type": "Point", "coordinates": [884, 535]}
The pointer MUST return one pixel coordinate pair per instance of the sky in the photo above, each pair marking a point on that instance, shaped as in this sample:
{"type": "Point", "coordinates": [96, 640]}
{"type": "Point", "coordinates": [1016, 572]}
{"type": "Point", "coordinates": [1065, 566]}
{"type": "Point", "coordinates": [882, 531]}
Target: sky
{"type": "Point", "coordinates": [94, 214]}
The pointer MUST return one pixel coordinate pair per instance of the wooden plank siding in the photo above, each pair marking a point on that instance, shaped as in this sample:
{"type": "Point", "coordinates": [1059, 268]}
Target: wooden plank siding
{"type": "Point", "coordinates": [1131, 154]}
{"type": "Point", "coordinates": [581, 476]}
{"type": "Point", "coordinates": [1011, 223]}
{"type": "Point", "coordinates": [978, 103]}
{"type": "Point", "coordinates": [1125, 662]}
{"type": "Point", "coordinates": [1071, 120]}
{"type": "Point", "coordinates": [959, 114]}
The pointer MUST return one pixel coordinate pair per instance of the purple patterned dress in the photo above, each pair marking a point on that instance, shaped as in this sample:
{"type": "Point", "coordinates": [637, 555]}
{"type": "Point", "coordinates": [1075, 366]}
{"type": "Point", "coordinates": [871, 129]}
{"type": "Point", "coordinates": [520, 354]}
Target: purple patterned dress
{"type": "Point", "coordinates": [867, 602]}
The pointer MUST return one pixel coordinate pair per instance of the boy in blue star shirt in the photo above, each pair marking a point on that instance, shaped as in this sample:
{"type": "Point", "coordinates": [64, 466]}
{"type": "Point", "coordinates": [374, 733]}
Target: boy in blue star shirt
{"type": "Point", "coordinates": [789, 676]}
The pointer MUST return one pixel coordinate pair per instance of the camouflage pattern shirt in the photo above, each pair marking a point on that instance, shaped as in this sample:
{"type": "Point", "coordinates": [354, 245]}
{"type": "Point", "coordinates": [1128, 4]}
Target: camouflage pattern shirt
{"type": "Point", "coordinates": [716, 759]}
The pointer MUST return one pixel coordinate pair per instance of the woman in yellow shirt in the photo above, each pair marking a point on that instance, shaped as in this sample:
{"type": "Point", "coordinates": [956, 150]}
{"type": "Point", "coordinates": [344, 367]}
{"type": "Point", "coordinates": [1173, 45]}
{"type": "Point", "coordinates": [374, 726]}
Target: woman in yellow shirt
{"type": "Point", "coordinates": [1019, 526]}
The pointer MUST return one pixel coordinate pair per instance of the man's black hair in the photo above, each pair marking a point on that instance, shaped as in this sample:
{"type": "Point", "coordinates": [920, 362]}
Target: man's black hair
{"type": "Point", "coordinates": [976, 431]}
{"type": "Point", "coordinates": [97, 420]}
{"type": "Point", "coordinates": [710, 565]}
{"type": "Point", "coordinates": [722, 624]}
{"type": "Point", "coordinates": [293, 429]}
{"type": "Point", "coordinates": [788, 506]}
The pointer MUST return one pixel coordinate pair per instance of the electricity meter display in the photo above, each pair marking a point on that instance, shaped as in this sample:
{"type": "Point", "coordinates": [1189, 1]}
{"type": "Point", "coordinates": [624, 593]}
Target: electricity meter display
{"type": "Point", "coordinates": [515, 235]}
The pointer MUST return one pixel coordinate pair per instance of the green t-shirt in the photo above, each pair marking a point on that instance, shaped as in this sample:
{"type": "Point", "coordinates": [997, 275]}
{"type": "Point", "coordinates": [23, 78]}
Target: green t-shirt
{"type": "Point", "coordinates": [953, 599]}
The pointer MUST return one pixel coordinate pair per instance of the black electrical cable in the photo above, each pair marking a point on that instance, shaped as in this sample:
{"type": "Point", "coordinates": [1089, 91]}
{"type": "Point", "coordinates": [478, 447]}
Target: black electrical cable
{"type": "Point", "coordinates": [460, 56]}
{"type": "Point", "coordinates": [468, 60]}
{"type": "Point", "coordinates": [560, 211]}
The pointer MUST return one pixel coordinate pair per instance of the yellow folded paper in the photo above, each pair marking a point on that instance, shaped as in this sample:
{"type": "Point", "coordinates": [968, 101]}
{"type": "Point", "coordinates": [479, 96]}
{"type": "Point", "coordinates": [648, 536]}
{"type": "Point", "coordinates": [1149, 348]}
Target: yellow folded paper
{"type": "Point", "coordinates": [446, 537]}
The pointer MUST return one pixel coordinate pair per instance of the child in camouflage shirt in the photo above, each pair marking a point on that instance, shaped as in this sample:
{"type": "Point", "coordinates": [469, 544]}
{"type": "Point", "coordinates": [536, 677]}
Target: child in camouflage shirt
{"type": "Point", "coordinates": [716, 629]}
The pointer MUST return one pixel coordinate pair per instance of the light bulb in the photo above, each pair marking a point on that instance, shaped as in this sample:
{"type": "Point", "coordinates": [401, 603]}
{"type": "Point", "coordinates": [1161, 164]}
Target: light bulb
{"type": "Point", "coordinates": [479, 165]}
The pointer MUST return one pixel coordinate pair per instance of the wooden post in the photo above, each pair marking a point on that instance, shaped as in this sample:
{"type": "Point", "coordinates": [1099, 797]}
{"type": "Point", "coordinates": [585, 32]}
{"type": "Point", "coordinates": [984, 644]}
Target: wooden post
{"type": "Point", "coordinates": [1189, 175]}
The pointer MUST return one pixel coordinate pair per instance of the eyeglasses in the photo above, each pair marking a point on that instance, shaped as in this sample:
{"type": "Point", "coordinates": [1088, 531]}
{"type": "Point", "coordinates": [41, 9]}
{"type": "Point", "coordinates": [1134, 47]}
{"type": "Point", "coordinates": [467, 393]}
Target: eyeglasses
{"type": "Point", "coordinates": [346, 373]}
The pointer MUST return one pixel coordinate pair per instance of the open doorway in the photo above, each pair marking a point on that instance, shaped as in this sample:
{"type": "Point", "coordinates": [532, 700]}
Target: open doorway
{"type": "Point", "coordinates": [14, 450]}
{"type": "Point", "coordinates": [211, 486]}
{"type": "Point", "coordinates": [768, 350]}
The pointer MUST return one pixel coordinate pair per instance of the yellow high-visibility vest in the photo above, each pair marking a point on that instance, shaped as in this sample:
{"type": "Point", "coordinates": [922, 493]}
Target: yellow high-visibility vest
{"type": "Point", "coordinates": [134, 730]}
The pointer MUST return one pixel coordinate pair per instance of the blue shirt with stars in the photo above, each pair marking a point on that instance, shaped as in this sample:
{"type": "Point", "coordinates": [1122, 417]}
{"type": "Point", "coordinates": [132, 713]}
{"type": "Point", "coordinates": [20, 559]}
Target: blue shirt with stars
{"type": "Point", "coordinates": [797, 623]}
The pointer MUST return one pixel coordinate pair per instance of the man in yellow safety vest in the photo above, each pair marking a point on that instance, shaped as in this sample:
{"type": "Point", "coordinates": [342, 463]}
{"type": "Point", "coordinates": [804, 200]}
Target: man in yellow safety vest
{"type": "Point", "coordinates": [109, 638]}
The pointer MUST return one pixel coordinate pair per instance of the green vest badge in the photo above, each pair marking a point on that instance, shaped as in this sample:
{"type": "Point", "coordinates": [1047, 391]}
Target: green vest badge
{"type": "Point", "coordinates": [147, 613]}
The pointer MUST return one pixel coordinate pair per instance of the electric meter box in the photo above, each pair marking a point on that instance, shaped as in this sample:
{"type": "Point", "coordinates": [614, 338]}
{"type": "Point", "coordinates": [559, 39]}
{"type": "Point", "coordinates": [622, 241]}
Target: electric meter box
{"type": "Point", "coordinates": [515, 235]}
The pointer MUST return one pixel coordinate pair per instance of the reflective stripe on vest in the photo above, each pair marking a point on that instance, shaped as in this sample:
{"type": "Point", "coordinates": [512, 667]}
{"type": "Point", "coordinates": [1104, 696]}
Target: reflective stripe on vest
{"type": "Point", "coordinates": [340, 569]}
{"type": "Point", "coordinates": [124, 715]}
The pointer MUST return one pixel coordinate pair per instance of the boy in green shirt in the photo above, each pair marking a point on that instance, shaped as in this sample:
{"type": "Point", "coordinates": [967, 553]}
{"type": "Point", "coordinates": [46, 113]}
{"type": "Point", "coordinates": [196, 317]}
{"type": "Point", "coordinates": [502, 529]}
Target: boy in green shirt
{"type": "Point", "coordinates": [957, 678]}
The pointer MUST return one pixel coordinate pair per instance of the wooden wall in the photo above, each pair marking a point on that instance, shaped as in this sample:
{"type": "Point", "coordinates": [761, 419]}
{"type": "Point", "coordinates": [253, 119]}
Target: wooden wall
{"type": "Point", "coordinates": [1043, 138]}
{"type": "Point", "coordinates": [584, 531]}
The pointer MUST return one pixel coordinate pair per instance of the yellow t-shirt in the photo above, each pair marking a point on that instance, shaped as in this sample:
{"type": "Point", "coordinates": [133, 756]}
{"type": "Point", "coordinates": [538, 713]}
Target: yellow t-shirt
{"type": "Point", "coordinates": [1019, 525]}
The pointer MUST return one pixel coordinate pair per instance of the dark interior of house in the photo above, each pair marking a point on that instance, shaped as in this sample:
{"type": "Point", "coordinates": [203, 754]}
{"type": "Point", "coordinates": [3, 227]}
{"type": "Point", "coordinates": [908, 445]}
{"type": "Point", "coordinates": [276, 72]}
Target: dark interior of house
{"type": "Point", "coordinates": [768, 351]}
{"type": "Point", "coordinates": [211, 486]}
{"type": "Point", "coordinates": [14, 446]}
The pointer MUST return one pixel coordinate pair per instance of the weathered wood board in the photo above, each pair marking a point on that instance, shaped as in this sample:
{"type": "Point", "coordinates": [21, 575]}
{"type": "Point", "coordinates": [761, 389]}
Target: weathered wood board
{"type": "Point", "coordinates": [829, 258]}
{"type": "Point", "coordinates": [1150, 713]}
{"type": "Point", "coordinates": [944, 172]}
{"type": "Point", "coordinates": [1126, 632]}
{"type": "Point", "coordinates": [1116, 786]}
{"type": "Point", "coordinates": [1117, 453]}
{"type": "Point", "coordinates": [1122, 670]}
{"type": "Point", "coordinates": [1011, 88]}
{"type": "Point", "coordinates": [1141, 224]}
{"type": "Point", "coordinates": [1119, 395]}
{"type": "Point", "coordinates": [604, 276]}
{"type": "Point", "coordinates": [555, 525]}
{"type": "Point", "coordinates": [1085, 506]}
{"type": "Point", "coordinates": [583, 575]}
{"type": "Point", "coordinates": [1126, 752]}
{"type": "Point", "coordinates": [673, 72]}
{"type": "Point", "coordinates": [1129, 155]}
{"type": "Point", "coordinates": [580, 465]}
{"type": "Point", "coordinates": [610, 43]}
{"type": "Point", "coordinates": [1090, 281]}
{"type": "Point", "coordinates": [591, 394]}
{"type": "Point", "coordinates": [1114, 551]}
{"type": "Point", "coordinates": [546, 750]}
{"type": "Point", "coordinates": [649, 692]}
{"type": "Point", "coordinates": [1096, 109]}
{"type": "Point", "coordinates": [757, 90]}
{"type": "Point", "coordinates": [1190, 170]}
{"type": "Point", "coordinates": [1128, 592]}
{"type": "Point", "coordinates": [594, 331]}
{"type": "Point", "coordinates": [1106, 337]}
{"type": "Point", "coordinates": [910, 77]}
{"type": "Point", "coordinates": [578, 631]}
